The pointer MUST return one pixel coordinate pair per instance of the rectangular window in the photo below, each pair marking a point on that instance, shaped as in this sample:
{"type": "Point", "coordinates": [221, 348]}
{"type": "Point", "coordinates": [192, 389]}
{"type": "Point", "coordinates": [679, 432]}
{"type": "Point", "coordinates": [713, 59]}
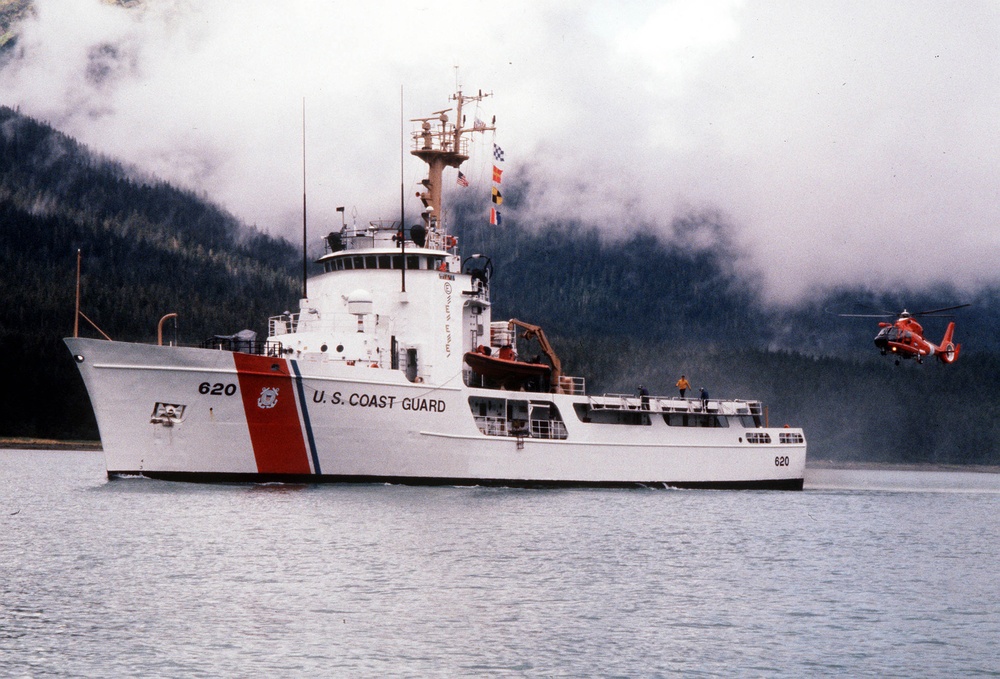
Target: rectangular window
{"type": "Point", "coordinates": [610, 415]}
{"type": "Point", "coordinates": [695, 420]}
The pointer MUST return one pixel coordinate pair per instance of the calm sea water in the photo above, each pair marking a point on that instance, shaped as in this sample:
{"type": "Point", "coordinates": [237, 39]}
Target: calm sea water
{"type": "Point", "coordinates": [863, 574]}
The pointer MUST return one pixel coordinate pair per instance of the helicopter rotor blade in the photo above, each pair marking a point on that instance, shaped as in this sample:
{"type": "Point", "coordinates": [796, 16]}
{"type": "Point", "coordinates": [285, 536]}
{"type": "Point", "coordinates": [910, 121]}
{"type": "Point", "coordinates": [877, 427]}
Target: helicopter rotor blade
{"type": "Point", "coordinates": [898, 314]}
{"type": "Point", "coordinates": [936, 311]}
{"type": "Point", "coordinates": [878, 313]}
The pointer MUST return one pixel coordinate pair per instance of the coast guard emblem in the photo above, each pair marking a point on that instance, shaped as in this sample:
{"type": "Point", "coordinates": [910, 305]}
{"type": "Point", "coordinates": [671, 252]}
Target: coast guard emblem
{"type": "Point", "coordinates": [268, 397]}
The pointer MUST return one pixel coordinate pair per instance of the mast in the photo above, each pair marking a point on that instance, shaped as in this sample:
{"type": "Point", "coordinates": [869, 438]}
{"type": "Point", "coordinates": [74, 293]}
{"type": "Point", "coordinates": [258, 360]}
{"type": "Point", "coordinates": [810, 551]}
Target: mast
{"type": "Point", "coordinates": [76, 316]}
{"type": "Point", "coordinates": [447, 146]}
{"type": "Point", "coordinates": [305, 264]}
{"type": "Point", "coordinates": [402, 202]}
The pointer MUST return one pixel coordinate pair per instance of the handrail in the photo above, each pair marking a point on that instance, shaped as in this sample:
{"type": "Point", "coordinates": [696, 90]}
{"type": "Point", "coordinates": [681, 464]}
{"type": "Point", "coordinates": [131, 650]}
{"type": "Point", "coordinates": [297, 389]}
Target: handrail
{"type": "Point", "coordinates": [726, 406]}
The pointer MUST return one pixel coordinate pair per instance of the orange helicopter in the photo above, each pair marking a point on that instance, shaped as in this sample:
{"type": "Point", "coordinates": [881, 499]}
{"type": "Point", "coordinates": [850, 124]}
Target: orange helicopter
{"type": "Point", "coordinates": [904, 337]}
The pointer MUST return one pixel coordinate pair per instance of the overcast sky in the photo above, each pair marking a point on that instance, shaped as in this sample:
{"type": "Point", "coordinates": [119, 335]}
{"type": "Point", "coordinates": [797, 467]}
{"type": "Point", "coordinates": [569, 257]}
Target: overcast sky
{"type": "Point", "coordinates": [842, 142]}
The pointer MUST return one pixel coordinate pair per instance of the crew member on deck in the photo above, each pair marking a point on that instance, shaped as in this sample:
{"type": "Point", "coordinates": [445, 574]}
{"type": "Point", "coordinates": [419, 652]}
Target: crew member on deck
{"type": "Point", "coordinates": [683, 385]}
{"type": "Point", "coordinates": [644, 397]}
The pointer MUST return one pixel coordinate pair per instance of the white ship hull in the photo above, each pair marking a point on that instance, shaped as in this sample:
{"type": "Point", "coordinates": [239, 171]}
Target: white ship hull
{"type": "Point", "coordinates": [212, 415]}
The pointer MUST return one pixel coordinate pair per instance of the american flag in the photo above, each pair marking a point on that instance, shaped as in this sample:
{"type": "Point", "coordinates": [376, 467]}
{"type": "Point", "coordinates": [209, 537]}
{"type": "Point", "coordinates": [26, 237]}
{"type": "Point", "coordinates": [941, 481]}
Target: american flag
{"type": "Point", "coordinates": [462, 181]}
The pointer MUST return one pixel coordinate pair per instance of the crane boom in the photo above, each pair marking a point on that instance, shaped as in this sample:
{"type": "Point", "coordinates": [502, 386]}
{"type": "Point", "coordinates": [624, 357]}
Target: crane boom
{"type": "Point", "coordinates": [535, 332]}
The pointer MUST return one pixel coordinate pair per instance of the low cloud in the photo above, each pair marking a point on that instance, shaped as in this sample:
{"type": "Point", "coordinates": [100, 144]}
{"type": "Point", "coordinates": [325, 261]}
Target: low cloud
{"type": "Point", "coordinates": [838, 144]}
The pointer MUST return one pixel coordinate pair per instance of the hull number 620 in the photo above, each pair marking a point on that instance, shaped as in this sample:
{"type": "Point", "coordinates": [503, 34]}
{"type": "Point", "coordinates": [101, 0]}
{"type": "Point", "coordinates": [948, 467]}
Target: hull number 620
{"type": "Point", "coordinates": [217, 389]}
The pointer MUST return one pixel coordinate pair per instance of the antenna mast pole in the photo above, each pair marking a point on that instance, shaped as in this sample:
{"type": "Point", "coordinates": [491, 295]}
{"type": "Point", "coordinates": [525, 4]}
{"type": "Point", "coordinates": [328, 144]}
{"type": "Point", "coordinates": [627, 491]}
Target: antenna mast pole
{"type": "Point", "coordinates": [76, 316]}
{"type": "Point", "coordinates": [402, 201]}
{"type": "Point", "coordinates": [440, 149]}
{"type": "Point", "coordinates": [305, 268]}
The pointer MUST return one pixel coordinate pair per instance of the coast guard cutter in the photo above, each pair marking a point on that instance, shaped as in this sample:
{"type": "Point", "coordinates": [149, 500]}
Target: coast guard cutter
{"type": "Point", "coordinates": [393, 370]}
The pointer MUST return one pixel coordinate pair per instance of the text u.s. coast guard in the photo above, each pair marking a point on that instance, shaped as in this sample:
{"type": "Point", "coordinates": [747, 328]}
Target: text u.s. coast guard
{"type": "Point", "coordinates": [361, 400]}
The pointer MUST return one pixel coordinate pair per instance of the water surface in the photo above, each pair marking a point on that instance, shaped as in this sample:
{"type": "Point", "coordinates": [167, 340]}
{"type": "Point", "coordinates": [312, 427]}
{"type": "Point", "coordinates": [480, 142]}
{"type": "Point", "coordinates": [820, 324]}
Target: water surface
{"type": "Point", "coordinates": [863, 574]}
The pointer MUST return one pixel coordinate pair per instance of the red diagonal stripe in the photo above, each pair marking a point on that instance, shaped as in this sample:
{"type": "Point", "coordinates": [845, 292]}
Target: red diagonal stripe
{"type": "Point", "coordinates": [272, 418]}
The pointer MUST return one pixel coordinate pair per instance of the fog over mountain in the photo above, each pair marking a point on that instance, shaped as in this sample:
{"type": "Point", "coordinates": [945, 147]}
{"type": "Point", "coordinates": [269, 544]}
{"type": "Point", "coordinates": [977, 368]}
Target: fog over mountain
{"type": "Point", "coordinates": [832, 144]}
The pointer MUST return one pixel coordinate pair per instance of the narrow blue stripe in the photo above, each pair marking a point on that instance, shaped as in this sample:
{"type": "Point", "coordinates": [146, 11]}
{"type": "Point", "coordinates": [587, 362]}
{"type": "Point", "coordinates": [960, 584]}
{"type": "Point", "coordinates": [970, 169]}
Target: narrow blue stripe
{"type": "Point", "coordinates": [305, 416]}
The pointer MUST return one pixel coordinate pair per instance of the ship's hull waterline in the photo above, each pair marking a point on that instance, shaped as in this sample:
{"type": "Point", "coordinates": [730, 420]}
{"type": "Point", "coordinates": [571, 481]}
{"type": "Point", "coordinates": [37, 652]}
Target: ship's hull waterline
{"type": "Point", "coordinates": [209, 415]}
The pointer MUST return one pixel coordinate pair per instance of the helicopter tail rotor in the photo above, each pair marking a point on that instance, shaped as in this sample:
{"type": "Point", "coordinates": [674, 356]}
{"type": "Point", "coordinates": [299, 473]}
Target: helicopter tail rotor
{"type": "Point", "coordinates": [947, 351]}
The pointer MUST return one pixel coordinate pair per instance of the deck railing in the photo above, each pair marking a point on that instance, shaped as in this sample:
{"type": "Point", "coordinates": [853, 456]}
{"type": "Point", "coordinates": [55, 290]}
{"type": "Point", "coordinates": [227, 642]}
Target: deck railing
{"type": "Point", "coordinates": [256, 347]}
{"type": "Point", "coordinates": [537, 429]}
{"type": "Point", "coordinates": [675, 404]}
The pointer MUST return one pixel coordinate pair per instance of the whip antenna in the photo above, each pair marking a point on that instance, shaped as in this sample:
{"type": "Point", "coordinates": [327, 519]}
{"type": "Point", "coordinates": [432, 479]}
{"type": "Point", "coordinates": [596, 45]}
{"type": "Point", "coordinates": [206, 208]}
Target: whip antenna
{"type": "Point", "coordinates": [305, 268]}
{"type": "Point", "coordinates": [402, 201]}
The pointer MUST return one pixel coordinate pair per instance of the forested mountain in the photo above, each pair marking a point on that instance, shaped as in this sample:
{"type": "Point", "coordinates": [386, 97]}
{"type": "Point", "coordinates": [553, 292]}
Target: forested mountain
{"type": "Point", "coordinates": [620, 312]}
{"type": "Point", "coordinates": [148, 250]}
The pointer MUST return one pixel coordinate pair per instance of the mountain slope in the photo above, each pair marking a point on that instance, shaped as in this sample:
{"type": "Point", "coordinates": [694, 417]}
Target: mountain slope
{"type": "Point", "coordinates": [148, 250]}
